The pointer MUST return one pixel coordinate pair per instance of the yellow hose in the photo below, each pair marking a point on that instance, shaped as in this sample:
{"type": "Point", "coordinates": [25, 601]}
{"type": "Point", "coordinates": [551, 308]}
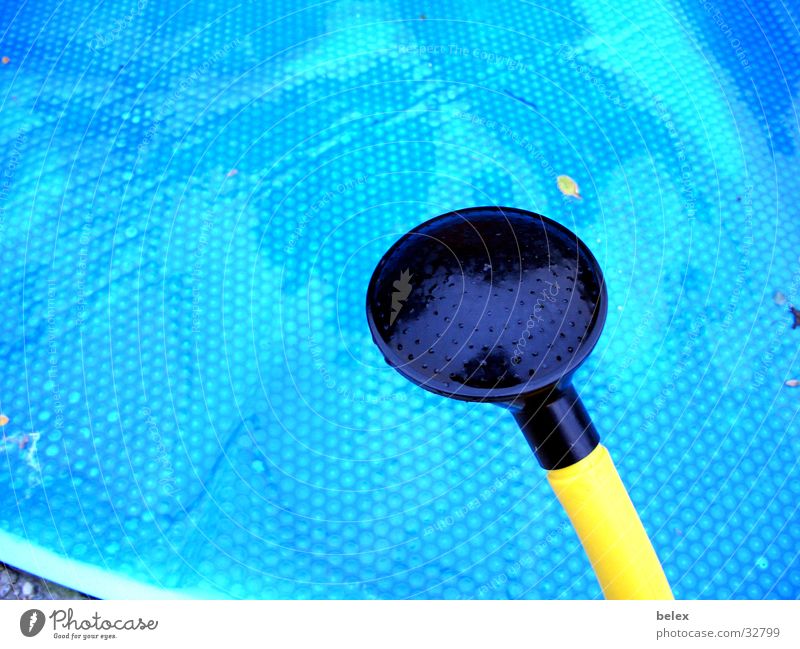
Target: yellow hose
{"type": "Point", "coordinates": [609, 528]}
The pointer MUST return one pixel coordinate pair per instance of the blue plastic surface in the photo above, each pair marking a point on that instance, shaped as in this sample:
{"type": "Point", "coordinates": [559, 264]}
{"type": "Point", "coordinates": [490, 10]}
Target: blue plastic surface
{"type": "Point", "coordinates": [192, 200]}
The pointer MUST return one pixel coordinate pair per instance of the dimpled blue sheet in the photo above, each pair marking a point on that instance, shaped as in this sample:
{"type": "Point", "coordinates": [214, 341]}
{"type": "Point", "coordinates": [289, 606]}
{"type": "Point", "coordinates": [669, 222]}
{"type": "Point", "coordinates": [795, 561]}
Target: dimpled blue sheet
{"type": "Point", "coordinates": [193, 197]}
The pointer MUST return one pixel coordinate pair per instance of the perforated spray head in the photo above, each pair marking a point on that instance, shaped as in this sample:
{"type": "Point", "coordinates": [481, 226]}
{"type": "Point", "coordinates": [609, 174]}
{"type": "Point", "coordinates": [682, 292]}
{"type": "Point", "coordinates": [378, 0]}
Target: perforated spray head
{"type": "Point", "coordinates": [495, 304]}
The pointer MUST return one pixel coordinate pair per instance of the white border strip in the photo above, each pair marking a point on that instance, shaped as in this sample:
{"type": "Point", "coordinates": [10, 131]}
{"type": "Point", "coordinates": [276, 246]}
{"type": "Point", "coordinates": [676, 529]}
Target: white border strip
{"type": "Point", "coordinates": [87, 578]}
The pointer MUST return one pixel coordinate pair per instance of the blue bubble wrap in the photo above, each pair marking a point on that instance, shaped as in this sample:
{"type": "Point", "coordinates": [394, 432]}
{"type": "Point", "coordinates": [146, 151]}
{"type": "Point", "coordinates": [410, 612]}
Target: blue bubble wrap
{"type": "Point", "coordinates": [193, 197]}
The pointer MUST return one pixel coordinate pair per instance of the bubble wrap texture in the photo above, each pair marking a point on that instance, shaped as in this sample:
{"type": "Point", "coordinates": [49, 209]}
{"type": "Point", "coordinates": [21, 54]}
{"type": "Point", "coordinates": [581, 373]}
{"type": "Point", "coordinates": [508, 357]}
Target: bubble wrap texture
{"type": "Point", "coordinates": [193, 197]}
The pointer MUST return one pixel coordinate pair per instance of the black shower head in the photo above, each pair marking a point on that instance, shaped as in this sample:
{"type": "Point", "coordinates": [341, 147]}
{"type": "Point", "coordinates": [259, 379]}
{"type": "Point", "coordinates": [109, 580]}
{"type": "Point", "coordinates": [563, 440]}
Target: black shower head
{"type": "Point", "coordinates": [487, 304]}
{"type": "Point", "coordinates": [495, 304]}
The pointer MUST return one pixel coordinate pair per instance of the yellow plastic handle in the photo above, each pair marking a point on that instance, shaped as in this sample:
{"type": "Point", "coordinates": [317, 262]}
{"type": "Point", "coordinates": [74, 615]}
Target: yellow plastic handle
{"type": "Point", "coordinates": [609, 528]}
